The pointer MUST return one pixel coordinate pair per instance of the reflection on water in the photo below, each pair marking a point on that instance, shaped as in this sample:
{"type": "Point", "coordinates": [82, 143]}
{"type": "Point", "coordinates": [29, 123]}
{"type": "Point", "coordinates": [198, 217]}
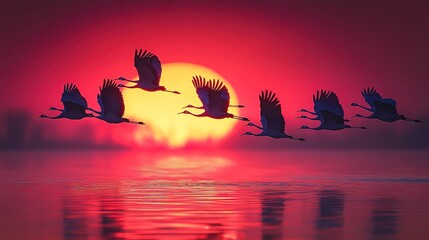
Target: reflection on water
{"type": "Point", "coordinates": [384, 218]}
{"type": "Point", "coordinates": [330, 222]}
{"type": "Point", "coordinates": [236, 195]}
{"type": "Point", "coordinates": [75, 221]}
{"type": "Point", "coordinates": [273, 204]}
{"type": "Point", "coordinates": [112, 215]}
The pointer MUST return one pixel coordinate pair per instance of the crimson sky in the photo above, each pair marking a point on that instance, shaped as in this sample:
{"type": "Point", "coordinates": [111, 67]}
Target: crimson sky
{"type": "Point", "coordinates": [293, 48]}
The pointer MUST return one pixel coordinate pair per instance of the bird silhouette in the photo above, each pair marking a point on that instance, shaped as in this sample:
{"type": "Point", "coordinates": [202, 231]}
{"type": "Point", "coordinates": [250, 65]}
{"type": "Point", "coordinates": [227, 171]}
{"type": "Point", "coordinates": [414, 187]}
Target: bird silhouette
{"type": "Point", "coordinates": [383, 109]}
{"type": "Point", "coordinates": [111, 104]}
{"type": "Point", "coordinates": [149, 69]}
{"type": "Point", "coordinates": [315, 118]}
{"type": "Point", "coordinates": [329, 112]}
{"type": "Point", "coordinates": [74, 104]}
{"type": "Point", "coordinates": [215, 98]}
{"type": "Point", "coordinates": [273, 123]}
{"type": "Point", "coordinates": [202, 107]}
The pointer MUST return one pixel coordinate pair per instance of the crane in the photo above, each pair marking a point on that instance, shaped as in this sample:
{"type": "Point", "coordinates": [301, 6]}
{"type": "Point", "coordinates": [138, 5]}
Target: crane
{"type": "Point", "coordinates": [329, 112]}
{"type": "Point", "coordinates": [74, 104]}
{"type": "Point", "coordinates": [273, 123]}
{"type": "Point", "coordinates": [215, 99]}
{"type": "Point", "coordinates": [149, 70]}
{"type": "Point", "coordinates": [111, 104]}
{"type": "Point", "coordinates": [383, 109]}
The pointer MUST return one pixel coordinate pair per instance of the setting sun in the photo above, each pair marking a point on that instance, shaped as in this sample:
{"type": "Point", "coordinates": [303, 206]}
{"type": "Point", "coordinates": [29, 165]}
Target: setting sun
{"type": "Point", "coordinates": [159, 109]}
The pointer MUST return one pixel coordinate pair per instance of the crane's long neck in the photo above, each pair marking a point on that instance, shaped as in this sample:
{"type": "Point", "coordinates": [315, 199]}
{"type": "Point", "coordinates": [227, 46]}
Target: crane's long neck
{"type": "Point", "coordinates": [128, 80]}
{"type": "Point", "coordinates": [56, 109]}
{"type": "Point", "coordinates": [56, 117]}
{"type": "Point", "coordinates": [303, 116]}
{"type": "Point", "coordinates": [254, 125]}
{"type": "Point", "coordinates": [192, 106]}
{"type": "Point", "coordinates": [305, 110]}
{"type": "Point", "coordinates": [361, 116]}
{"type": "Point", "coordinates": [204, 114]}
{"type": "Point", "coordinates": [358, 105]}
{"type": "Point", "coordinates": [125, 86]}
{"type": "Point", "coordinates": [255, 134]}
{"type": "Point", "coordinates": [316, 128]}
{"type": "Point", "coordinates": [90, 109]}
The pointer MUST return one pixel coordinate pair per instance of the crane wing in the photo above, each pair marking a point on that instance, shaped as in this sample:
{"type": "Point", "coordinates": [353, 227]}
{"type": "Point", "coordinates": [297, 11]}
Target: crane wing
{"type": "Point", "coordinates": [148, 67]}
{"type": "Point", "coordinates": [213, 94]}
{"type": "Point", "coordinates": [327, 100]}
{"type": "Point", "coordinates": [371, 95]}
{"type": "Point", "coordinates": [218, 96]}
{"type": "Point", "coordinates": [72, 99]}
{"type": "Point", "coordinates": [110, 99]}
{"type": "Point", "coordinates": [202, 89]}
{"type": "Point", "coordinates": [271, 112]}
{"type": "Point", "coordinates": [377, 103]}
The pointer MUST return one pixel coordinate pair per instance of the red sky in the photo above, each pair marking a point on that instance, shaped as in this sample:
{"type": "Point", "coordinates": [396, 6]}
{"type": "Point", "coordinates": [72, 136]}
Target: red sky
{"type": "Point", "coordinates": [293, 48]}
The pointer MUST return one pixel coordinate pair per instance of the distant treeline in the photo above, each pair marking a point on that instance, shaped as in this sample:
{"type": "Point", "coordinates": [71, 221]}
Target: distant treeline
{"type": "Point", "coordinates": [19, 129]}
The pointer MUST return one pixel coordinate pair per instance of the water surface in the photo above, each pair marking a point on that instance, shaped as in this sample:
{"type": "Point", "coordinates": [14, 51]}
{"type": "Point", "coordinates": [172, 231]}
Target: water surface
{"type": "Point", "coordinates": [215, 195]}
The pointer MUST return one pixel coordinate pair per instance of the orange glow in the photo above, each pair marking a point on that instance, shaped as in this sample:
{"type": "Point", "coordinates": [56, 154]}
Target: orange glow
{"type": "Point", "coordinates": [159, 109]}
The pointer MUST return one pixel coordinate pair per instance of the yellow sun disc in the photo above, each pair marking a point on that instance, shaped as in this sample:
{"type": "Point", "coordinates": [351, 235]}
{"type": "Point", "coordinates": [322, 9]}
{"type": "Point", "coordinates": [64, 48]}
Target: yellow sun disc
{"type": "Point", "coordinates": [159, 110]}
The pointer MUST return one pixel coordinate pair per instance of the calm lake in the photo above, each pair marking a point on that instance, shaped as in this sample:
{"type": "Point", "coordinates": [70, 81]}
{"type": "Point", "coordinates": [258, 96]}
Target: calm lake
{"type": "Point", "coordinates": [214, 195]}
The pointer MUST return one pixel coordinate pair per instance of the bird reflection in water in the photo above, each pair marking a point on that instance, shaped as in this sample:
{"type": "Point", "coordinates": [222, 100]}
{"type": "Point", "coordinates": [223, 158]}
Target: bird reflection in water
{"type": "Point", "coordinates": [273, 204]}
{"type": "Point", "coordinates": [384, 218]}
{"type": "Point", "coordinates": [112, 216]}
{"type": "Point", "coordinates": [74, 219]}
{"type": "Point", "coordinates": [331, 209]}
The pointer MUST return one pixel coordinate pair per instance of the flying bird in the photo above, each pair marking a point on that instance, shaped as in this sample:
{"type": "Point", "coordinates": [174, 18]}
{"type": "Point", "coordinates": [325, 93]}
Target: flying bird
{"type": "Point", "coordinates": [74, 104]}
{"type": "Point", "coordinates": [329, 112]}
{"type": "Point", "coordinates": [149, 69]}
{"type": "Point", "coordinates": [215, 99]}
{"type": "Point", "coordinates": [273, 123]}
{"type": "Point", "coordinates": [111, 104]}
{"type": "Point", "coordinates": [383, 109]}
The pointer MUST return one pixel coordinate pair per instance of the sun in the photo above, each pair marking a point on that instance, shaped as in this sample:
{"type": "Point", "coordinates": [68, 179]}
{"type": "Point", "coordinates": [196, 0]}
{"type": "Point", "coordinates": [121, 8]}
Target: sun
{"type": "Point", "coordinates": [159, 110]}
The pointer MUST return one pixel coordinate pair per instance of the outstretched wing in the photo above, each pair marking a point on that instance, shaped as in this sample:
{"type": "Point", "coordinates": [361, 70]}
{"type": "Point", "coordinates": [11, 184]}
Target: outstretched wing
{"type": "Point", "coordinates": [148, 66]}
{"type": "Point", "coordinates": [202, 89]}
{"type": "Point", "coordinates": [371, 95]}
{"type": "Point", "coordinates": [377, 103]}
{"type": "Point", "coordinates": [73, 100]}
{"type": "Point", "coordinates": [271, 113]}
{"type": "Point", "coordinates": [213, 94]}
{"type": "Point", "coordinates": [327, 100]}
{"type": "Point", "coordinates": [110, 99]}
{"type": "Point", "coordinates": [218, 96]}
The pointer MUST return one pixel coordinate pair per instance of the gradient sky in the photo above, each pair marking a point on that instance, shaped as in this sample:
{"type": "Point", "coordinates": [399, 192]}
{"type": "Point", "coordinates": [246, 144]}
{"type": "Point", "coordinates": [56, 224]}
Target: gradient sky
{"type": "Point", "coordinates": [291, 47]}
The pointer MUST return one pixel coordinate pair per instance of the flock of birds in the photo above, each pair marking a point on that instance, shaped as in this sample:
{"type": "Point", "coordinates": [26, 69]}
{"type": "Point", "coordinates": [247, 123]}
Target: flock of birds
{"type": "Point", "coordinates": [215, 99]}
